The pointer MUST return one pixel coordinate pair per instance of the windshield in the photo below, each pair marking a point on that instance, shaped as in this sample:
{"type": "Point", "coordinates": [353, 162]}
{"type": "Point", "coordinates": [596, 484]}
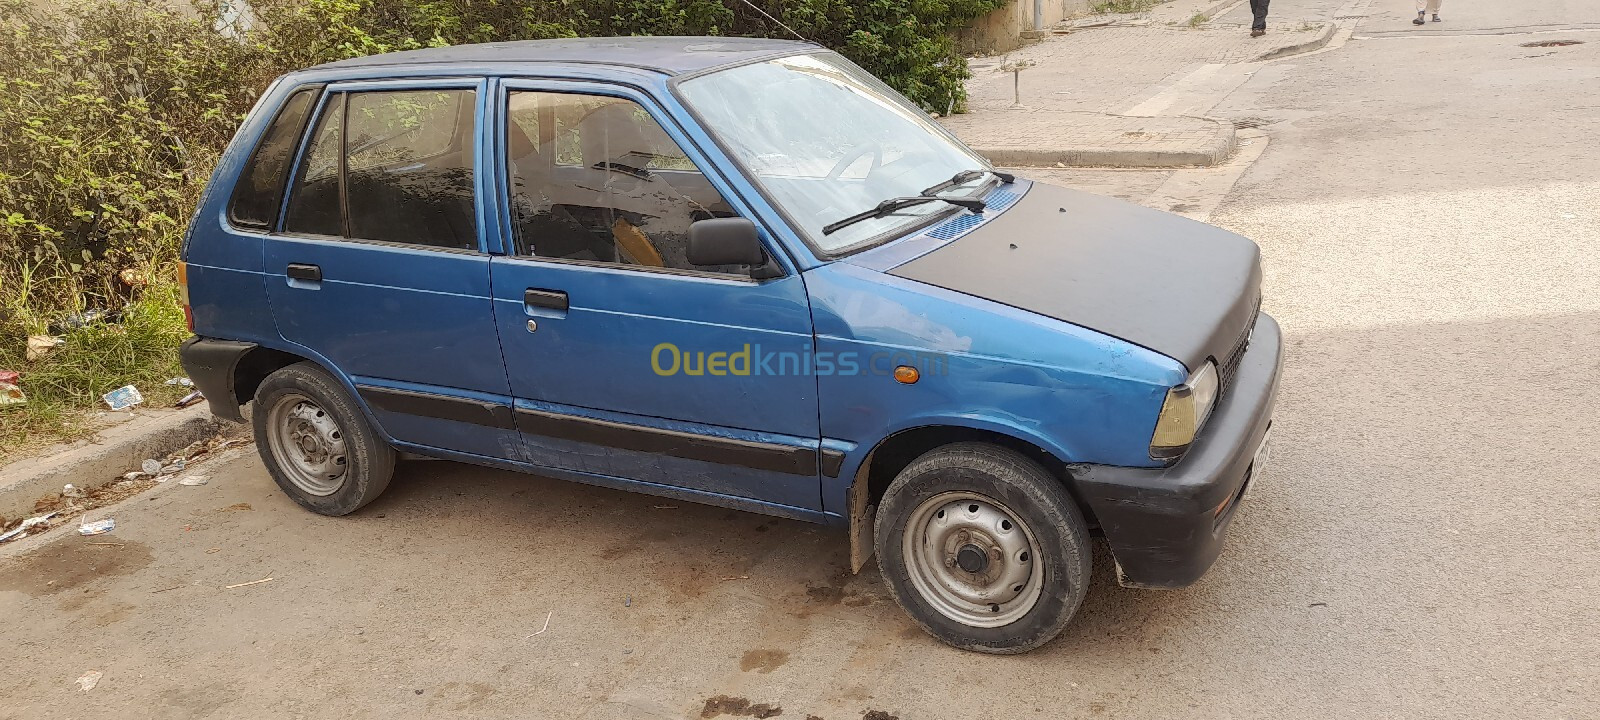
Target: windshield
{"type": "Point", "coordinates": [826, 140]}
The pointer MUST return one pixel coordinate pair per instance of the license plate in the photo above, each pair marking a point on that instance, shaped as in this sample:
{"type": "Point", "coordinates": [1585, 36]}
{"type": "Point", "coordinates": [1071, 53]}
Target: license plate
{"type": "Point", "coordinates": [1263, 453]}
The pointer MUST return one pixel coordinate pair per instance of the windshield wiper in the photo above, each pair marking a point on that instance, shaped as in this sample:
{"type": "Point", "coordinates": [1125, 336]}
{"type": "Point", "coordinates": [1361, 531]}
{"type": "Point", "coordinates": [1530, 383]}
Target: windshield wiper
{"type": "Point", "coordinates": [967, 176]}
{"type": "Point", "coordinates": [890, 206]}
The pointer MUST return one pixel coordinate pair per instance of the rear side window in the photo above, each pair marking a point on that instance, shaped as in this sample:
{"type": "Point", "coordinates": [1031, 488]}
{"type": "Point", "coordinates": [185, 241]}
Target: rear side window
{"type": "Point", "coordinates": [315, 207]}
{"type": "Point", "coordinates": [259, 193]}
{"type": "Point", "coordinates": [391, 166]}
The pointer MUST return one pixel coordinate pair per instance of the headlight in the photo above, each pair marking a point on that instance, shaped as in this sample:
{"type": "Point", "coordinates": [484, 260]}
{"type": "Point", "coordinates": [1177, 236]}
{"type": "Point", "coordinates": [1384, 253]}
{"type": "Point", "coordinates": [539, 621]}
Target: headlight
{"type": "Point", "coordinates": [1186, 409]}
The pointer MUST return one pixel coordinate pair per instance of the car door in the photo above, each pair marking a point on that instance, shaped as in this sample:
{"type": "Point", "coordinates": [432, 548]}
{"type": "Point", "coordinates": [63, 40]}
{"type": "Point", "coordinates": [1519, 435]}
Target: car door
{"type": "Point", "coordinates": [626, 360]}
{"type": "Point", "coordinates": [379, 269]}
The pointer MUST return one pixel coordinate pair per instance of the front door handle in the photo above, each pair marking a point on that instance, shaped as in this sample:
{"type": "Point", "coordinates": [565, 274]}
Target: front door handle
{"type": "Point", "coordinates": [547, 299]}
{"type": "Point", "coordinates": [302, 271]}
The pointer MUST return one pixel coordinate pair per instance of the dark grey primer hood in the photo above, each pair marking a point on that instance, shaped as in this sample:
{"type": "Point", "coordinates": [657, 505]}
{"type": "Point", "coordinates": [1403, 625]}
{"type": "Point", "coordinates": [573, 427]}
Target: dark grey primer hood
{"type": "Point", "coordinates": [1182, 288]}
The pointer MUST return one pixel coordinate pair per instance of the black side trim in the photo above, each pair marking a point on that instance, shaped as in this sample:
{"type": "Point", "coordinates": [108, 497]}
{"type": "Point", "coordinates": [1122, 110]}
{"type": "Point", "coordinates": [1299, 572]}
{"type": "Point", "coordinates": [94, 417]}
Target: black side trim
{"type": "Point", "coordinates": [689, 446]}
{"type": "Point", "coordinates": [210, 365]}
{"type": "Point", "coordinates": [832, 462]}
{"type": "Point", "coordinates": [443, 407]}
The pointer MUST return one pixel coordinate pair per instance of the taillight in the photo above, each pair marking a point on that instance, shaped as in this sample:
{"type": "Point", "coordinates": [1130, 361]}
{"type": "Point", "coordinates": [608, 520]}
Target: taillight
{"type": "Point", "coordinates": [183, 294]}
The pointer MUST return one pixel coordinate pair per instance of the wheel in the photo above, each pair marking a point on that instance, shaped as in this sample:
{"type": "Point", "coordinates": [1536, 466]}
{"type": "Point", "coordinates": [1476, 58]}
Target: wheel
{"type": "Point", "coordinates": [317, 444]}
{"type": "Point", "coordinates": [983, 548]}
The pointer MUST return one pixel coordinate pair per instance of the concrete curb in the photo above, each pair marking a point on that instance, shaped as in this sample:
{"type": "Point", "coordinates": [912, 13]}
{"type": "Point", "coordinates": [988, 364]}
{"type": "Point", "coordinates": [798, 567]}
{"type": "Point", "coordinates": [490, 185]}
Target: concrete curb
{"type": "Point", "coordinates": [1221, 7]}
{"type": "Point", "coordinates": [116, 450]}
{"type": "Point", "coordinates": [1322, 38]}
{"type": "Point", "coordinates": [1213, 152]}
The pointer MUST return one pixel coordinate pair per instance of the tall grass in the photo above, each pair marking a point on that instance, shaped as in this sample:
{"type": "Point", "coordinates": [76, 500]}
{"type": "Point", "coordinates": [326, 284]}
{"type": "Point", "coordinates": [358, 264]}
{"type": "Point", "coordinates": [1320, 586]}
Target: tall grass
{"type": "Point", "coordinates": [139, 349]}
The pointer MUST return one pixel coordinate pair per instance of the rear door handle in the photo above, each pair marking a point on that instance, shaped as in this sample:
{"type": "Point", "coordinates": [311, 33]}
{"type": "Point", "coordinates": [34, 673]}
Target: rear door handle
{"type": "Point", "coordinates": [302, 271]}
{"type": "Point", "coordinates": [547, 299]}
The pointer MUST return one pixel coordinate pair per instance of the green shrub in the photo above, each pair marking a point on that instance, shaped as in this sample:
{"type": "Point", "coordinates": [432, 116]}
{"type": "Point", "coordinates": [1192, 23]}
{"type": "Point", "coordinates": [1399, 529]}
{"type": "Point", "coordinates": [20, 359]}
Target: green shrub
{"type": "Point", "coordinates": [907, 44]}
{"type": "Point", "coordinates": [113, 116]}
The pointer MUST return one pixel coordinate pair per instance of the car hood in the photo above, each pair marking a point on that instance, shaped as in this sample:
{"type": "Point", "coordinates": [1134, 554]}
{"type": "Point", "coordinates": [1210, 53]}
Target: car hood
{"type": "Point", "coordinates": [1179, 287]}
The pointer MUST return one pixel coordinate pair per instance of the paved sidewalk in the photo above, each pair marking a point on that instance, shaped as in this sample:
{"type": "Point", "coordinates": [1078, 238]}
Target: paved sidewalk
{"type": "Point", "coordinates": [1078, 101]}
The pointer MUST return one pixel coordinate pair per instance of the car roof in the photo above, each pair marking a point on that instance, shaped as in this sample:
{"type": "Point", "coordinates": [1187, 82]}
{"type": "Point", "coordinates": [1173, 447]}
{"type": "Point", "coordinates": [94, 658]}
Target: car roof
{"type": "Point", "coordinates": [667, 55]}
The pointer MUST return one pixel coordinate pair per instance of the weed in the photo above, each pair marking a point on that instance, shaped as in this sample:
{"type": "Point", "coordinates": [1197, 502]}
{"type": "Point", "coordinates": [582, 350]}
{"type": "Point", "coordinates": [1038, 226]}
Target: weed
{"type": "Point", "coordinates": [1199, 19]}
{"type": "Point", "coordinates": [1125, 6]}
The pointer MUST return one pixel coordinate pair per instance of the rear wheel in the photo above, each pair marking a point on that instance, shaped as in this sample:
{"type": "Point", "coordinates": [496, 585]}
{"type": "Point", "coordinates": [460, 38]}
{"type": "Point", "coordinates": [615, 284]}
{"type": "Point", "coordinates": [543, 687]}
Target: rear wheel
{"type": "Point", "coordinates": [983, 548]}
{"type": "Point", "coordinates": [317, 444]}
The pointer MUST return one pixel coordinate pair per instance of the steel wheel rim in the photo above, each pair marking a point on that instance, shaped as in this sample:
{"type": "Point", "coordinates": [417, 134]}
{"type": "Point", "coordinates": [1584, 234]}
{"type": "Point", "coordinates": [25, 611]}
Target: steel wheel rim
{"type": "Point", "coordinates": [939, 546]}
{"type": "Point", "coordinates": [308, 445]}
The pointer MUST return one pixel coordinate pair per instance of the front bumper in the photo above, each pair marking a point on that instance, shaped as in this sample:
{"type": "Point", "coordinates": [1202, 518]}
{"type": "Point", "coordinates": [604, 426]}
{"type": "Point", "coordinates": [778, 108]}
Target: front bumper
{"type": "Point", "coordinates": [1166, 525]}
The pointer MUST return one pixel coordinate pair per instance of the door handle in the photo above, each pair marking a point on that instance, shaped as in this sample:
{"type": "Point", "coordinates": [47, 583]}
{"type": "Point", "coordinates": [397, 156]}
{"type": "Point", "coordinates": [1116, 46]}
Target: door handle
{"type": "Point", "coordinates": [547, 299]}
{"type": "Point", "coordinates": [302, 271]}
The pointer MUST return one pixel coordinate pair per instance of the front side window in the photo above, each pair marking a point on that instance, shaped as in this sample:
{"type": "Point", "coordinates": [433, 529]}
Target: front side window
{"type": "Point", "coordinates": [260, 190]}
{"type": "Point", "coordinates": [595, 178]}
{"type": "Point", "coordinates": [826, 140]}
{"type": "Point", "coordinates": [391, 166]}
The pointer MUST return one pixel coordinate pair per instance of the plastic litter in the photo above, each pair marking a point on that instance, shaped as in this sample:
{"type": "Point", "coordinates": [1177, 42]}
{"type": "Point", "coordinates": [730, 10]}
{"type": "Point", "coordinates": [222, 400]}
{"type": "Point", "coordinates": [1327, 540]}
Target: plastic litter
{"type": "Point", "coordinates": [190, 399]}
{"type": "Point", "coordinates": [10, 394]}
{"type": "Point", "coordinates": [180, 382]}
{"type": "Point", "coordinates": [88, 680]}
{"type": "Point", "coordinates": [27, 525]}
{"type": "Point", "coordinates": [123, 397]}
{"type": "Point", "coordinates": [41, 345]}
{"type": "Point", "coordinates": [193, 480]}
{"type": "Point", "coordinates": [151, 466]}
{"type": "Point", "coordinates": [70, 491]}
{"type": "Point", "coordinates": [98, 527]}
{"type": "Point", "coordinates": [83, 319]}
{"type": "Point", "coordinates": [176, 466]}
{"type": "Point", "coordinates": [10, 376]}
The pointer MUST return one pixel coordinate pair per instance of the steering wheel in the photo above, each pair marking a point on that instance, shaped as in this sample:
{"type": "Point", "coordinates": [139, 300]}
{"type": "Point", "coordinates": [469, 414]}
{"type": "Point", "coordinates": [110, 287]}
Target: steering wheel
{"type": "Point", "coordinates": [856, 153]}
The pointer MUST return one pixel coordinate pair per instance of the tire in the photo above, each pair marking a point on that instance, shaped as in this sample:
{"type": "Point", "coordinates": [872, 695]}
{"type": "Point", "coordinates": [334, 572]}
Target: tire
{"type": "Point", "coordinates": [316, 442]}
{"type": "Point", "coordinates": [967, 501]}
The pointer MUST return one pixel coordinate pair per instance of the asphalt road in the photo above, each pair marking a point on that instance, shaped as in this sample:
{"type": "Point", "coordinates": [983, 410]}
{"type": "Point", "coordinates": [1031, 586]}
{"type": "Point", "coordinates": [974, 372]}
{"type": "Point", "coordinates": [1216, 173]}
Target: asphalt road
{"type": "Point", "coordinates": [1423, 545]}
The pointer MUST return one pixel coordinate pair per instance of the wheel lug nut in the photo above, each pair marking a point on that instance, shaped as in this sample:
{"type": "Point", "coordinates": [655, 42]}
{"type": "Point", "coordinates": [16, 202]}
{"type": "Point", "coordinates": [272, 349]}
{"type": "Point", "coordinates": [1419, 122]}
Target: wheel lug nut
{"type": "Point", "coordinates": [949, 562]}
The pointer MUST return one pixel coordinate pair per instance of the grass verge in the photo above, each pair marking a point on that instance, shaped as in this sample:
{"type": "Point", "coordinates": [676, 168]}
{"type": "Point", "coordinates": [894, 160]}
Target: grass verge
{"type": "Point", "coordinates": [65, 385]}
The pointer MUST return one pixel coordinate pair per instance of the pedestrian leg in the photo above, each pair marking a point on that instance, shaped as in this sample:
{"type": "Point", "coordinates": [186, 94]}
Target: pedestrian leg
{"type": "Point", "coordinates": [1259, 26]}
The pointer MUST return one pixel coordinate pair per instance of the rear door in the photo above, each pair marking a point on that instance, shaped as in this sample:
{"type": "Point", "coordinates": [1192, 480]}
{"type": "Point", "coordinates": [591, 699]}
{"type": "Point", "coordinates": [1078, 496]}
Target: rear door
{"type": "Point", "coordinates": [380, 269]}
{"type": "Point", "coordinates": [625, 360]}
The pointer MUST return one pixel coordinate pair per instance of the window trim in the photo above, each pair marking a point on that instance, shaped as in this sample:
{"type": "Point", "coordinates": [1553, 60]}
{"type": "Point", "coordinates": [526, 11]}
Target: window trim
{"type": "Point", "coordinates": [234, 222]}
{"type": "Point", "coordinates": [498, 146]}
{"type": "Point", "coordinates": [480, 86]}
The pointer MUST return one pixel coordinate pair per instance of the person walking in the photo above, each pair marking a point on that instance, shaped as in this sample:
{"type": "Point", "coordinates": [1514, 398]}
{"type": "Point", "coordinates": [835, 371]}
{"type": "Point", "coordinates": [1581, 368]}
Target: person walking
{"type": "Point", "coordinates": [1259, 7]}
{"type": "Point", "coordinates": [1423, 8]}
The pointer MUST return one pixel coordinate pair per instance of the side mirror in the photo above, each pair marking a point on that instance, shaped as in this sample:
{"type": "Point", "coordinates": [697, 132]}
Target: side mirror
{"type": "Point", "coordinates": [725, 241]}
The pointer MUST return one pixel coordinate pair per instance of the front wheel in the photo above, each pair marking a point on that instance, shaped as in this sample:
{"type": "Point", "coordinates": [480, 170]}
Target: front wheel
{"type": "Point", "coordinates": [983, 548]}
{"type": "Point", "coordinates": [317, 444]}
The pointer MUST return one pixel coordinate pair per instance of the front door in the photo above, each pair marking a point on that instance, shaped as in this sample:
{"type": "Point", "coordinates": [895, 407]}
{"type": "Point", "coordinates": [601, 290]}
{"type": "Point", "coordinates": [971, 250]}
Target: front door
{"type": "Point", "coordinates": [625, 359]}
{"type": "Point", "coordinates": [380, 268]}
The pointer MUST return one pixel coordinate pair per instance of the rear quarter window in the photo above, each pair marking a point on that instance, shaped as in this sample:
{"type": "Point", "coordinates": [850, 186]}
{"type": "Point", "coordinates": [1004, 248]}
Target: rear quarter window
{"type": "Point", "coordinates": [259, 192]}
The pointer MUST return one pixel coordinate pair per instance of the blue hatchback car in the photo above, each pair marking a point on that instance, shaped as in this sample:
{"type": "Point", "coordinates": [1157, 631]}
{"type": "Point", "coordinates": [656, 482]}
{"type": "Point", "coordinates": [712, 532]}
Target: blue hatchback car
{"type": "Point", "coordinates": [739, 272]}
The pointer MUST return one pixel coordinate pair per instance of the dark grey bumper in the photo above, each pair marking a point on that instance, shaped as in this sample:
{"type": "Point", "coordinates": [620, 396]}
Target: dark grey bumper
{"type": "Point", "coordinates": [1166, 525]}
{"type": "Point", "coordinates": [211, 365]}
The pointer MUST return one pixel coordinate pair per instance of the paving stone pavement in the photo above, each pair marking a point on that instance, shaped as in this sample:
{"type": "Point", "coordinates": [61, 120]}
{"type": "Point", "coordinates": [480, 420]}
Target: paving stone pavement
{"type": "Point", "coordinates": [1071, 104]}
{"type": "Point", "coordinates": [1101, 69]}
